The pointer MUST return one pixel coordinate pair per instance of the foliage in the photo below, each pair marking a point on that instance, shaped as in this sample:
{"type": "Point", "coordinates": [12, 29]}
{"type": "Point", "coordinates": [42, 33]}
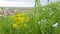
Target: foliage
{"type": "Point", "coordinates": [41, 20]}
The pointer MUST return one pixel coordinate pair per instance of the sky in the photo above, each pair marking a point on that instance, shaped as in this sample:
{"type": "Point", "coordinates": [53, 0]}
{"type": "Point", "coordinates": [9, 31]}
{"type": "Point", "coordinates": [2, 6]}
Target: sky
{"type": "Point", "coordinates": [22, 3]}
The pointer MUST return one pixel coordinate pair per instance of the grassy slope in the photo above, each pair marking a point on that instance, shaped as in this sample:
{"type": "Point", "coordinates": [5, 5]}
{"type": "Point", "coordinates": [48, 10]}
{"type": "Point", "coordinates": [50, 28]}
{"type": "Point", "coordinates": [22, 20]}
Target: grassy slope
{"type": "Point", "coordinates": [47, 16]}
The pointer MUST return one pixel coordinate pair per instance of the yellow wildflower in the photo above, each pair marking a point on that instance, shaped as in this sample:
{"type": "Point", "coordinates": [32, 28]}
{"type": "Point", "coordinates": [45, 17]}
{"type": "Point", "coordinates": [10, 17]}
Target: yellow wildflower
{"type": "Point", "coordinates": [15, 25]}
{"type": "Point", "coordinates": [20, 18]}
{"type": "Point", "coordinates": [20, 15]}
{"type": "Point", "coordinates": [27, 19]}
{"type": "Point", "coordinates": [24, 25]}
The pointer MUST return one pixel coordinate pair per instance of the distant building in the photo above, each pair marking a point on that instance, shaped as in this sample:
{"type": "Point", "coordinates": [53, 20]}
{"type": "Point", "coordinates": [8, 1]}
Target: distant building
{"type": "Point", "coordinates": [12, 10]}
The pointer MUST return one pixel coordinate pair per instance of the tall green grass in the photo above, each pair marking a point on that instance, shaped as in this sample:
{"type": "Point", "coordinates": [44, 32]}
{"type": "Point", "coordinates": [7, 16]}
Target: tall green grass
{"type": "Point", "coordinates": [43, 20]}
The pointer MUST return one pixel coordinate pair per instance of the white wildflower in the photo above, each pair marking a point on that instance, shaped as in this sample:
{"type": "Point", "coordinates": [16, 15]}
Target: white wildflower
{"type": "Point", "coordinates": [55, 25]}
{"type": "Point", "coordinates": [39, 22]}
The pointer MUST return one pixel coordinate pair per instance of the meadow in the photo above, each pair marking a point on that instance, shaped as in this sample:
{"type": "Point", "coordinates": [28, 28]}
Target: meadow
{"type": "Point", "coordinates": [40, 20]}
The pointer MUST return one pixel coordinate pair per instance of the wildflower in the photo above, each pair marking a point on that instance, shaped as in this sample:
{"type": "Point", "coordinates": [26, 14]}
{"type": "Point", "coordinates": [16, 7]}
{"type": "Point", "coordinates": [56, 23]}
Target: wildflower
{"type": "Point", "coordinates": [55, 25]}
{"type": "Point", "coordinates": [15, 25]}
{"type": "Point", "coordinates": [20, 15]}
{"type": "Point", "coordinates": [24, 25]}
{"type": "Point", "coordinates": [20, 18]}
{"type": "Point", "coordinates": [39, 22]}
{"type": "Point", "coordinates": [27, 19]}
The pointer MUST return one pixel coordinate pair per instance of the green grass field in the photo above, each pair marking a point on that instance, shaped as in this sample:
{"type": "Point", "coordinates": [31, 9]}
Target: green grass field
{"type": "Point", "coordinates": [41, 20]}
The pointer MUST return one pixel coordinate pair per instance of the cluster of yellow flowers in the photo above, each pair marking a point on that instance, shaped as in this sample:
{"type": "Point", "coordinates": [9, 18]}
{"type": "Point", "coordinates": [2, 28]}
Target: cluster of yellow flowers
{"type": "Point", "coordinates": [19, 18]}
